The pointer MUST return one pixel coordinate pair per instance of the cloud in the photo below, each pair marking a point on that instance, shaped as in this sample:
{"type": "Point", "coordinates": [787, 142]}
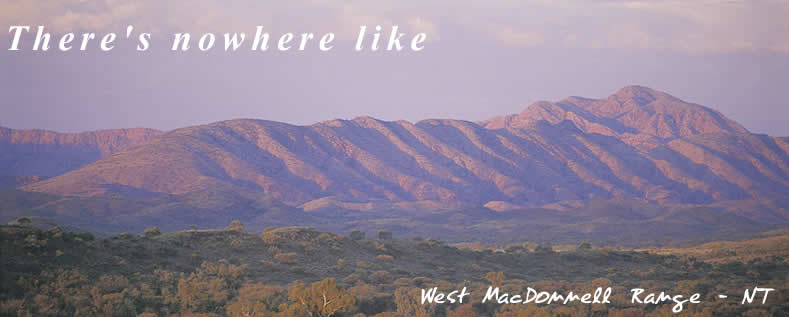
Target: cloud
{"type": "Point", "coordinates": [709, 26]}
{"type": "Point", "coordinates": [696, 27]}
{"type": "Point", "coordinates": [70, 15]}
{"type": "Point", "coordinates": [513, 37]}
{"type": "Point", "coordinates": [422, 25]}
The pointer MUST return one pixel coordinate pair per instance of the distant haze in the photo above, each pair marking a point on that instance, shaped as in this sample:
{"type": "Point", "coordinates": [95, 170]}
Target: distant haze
{"type": "Point", "coordinates": [481, 60]}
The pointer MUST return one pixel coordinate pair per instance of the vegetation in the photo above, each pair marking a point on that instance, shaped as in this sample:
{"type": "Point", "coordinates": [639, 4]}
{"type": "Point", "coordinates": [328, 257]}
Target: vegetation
{"type": "Point", "coordinates": [236, 226]}
{"type": "Point", "coordinates": [357, 235]}
{"type": "Point", "coordinates": [628, 224]}
{"type": "Point", "coordinates": [152, 232]}
{"type": "Point", "coordinates": [297, 271]}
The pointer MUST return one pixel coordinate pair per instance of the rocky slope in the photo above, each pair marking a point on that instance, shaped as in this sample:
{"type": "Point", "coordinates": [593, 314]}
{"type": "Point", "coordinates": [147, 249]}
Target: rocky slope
{"type": "Point", "coordinates": [636, 144]}
{"type": "Point", "coordinates": [47, 153]}
{"type": "Point", "coordinates": [7, 182]}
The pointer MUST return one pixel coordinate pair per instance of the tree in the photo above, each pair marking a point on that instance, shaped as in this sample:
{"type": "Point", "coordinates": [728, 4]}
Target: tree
{"type": "Point", "coordinates": [23, 221]}
{"type": "Point", "coordinates": [208, 289]}
{"type": "Point", "coordinates": [495, 278]}
{"type": "Point", "coordinates": [384, 235]}
{"type": "Point", "coordinates": [323, 298]}
{"type": "Point", "coordinates": [543, 249]}
{"type": "Point", "coordinates": [85, 236]}
{"type": "Point", "coordinates": [257, 300]}
{"type": "Point", "coordinates": [408, 303]}
{"type": "Point", "coordinates": [236, 226]}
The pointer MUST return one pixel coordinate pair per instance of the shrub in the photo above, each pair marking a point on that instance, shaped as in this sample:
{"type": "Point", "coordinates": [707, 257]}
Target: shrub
{"type": "Point", "coordinates": [380, 278]}
{"type": "Point", "coordinates": [543, 249]}
{"type": "Point", "coordinates": [23, 221]}
{"type": "Point", "coordinates": [402, 282]}
{"type": "Point", "coordinates": [357, 235]}
{"type": "Point", "coordinates": [287, 258]}
{"type": "Point", "coordinates": [352, 279]}
{"type": "Point", "coordinates": [384, 257]}
{"type": "Point", "coordinates": [408, 303]}
{"type": "Point", "coordinates": [495, 278]}
{"type": "Point", "coordinates": [380, 247]}
{"type": "Point", "coordinates": [269, 265]}
{"type": "Point", "coordinates": [236, 226]}
{"type": "Point", "coordinates": [12, 307]}
{"type": "Point", "coordinates": [462, 311]}
{"type": "Point", "coordinates": [152, 232]}
{"type": "Point", "coordinates": [298, 270]}
{"type": "Point", "coordinates": [308, 248]}
{"type": "Point", "coordinates": [85, 236]}
{"type": "Point", "coordinates": [209, 288]}
{"type": "Point", "coordinates": [530, 245]}
{"type": "Point", "coordinates": [384, 235]}
{"type": "Point", "coordinates": [323, 298]}
{"type": "Point", "coordinates": [55, 232]}
{"type": "Point", "coordinates": [515, 249]}
{"type": "Point", "coordinates": [256, 299]}
{"type": "Point", "coordinates": [584, 246]}
{"type": "Point", "coordinates": [236, 243]}
{"type": "Point", "coordinates": [270, 238]}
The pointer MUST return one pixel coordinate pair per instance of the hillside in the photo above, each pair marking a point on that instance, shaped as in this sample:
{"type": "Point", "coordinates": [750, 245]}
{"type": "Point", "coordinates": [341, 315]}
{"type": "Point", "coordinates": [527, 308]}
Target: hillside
{"type": "Point", "coordinates": [47, 153]}
{"type": "Point", "coordinates": [730, 251]}
{"type": "Point", "coordinates": [636, 144]}
{"type": "Point", "coordinates": [8, 182]}
{"type": "Point", "coordinates": [625, 223]}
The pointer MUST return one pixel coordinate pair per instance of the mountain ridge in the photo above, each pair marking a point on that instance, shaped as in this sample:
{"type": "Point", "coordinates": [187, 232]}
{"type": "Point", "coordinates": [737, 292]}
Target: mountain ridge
{"type": "Point", "coordinates": [38, 152]}
{"type": "Point", "coordinates": [637, 143]}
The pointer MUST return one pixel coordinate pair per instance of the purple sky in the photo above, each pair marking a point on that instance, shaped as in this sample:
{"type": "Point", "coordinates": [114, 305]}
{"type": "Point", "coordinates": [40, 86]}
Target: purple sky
{"type": "Point", "coordinates": [481, 60]}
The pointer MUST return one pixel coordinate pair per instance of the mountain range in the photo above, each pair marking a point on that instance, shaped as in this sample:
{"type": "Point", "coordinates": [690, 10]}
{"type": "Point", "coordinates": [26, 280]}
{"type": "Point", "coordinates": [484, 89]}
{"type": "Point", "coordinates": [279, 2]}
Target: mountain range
{"type": "Point", "coordinates": [638, 145]}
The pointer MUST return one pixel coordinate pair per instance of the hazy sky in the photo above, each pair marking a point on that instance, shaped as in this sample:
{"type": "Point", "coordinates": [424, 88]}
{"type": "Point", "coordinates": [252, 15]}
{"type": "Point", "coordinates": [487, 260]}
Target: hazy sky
{"type": "Point", "coordinates": [482, 59]}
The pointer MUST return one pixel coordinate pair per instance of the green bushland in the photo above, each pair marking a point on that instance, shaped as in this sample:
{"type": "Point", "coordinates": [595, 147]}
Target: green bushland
{"type": "Point", "coordinates": [298, 271]}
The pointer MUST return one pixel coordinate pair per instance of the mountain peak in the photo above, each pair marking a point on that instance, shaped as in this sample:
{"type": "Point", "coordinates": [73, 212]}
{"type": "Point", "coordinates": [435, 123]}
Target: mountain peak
{"type": "Point", "coordinates": [632, 110]}
{"type": "Point", "coordinates": [640, 94]}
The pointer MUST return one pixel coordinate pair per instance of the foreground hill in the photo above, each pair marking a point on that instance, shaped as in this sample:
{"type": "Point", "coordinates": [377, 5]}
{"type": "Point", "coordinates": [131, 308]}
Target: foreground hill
{"type": "Point", "coordinates": [47, 153]}
{"type": "Point", "coordinates": [232, 273]}
{"type": "Point", "coordinates": [636, 144]}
